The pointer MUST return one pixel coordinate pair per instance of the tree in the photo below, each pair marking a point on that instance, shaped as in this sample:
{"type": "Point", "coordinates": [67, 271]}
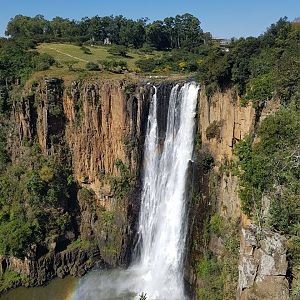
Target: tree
{"type": "Point", "coordinates": [133, 33]}
{"type": "Point", "coordinates": [118, 50]}
{"type": "Point", "coordinates": [157, 35]}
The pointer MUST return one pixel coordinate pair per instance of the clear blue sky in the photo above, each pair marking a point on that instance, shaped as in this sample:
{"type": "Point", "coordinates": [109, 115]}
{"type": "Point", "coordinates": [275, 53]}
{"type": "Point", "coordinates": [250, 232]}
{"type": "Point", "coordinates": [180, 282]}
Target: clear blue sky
{"type": "Point", "coordinates": [223, 18]}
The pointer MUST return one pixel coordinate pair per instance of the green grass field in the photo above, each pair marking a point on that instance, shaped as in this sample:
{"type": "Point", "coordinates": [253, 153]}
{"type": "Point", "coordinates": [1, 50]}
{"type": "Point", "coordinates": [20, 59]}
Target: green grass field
{"type": "Point", "coordinates": [68, 52]}
{"type": "Point", "coordinates": [63, 53]}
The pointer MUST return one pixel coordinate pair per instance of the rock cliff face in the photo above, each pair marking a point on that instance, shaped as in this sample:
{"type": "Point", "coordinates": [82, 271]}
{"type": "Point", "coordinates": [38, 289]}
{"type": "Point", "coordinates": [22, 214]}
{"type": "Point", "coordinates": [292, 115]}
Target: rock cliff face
{"type": "Point", "coordinates": [99, 128]}
{"type": "Point", "coordinates": [263, 265]}
{"type": "Point", "coordinates": [260, 266]}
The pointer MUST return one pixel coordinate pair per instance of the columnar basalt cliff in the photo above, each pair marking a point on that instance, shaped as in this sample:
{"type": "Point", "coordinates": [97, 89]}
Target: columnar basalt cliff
{"type": "Point", "coordinates": [224, 243]}
{"type": "Point", "coordinates": [97, 127]}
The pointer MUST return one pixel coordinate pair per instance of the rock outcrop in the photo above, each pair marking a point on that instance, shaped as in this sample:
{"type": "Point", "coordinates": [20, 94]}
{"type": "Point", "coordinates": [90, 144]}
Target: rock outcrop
{"type": "Point", "coordinates": [75, 262]}
{"type": "Point", "coordinates": [97, 127]}
{"type": "Point", "coordinates": [262, 260]}
{"type": "Point", "coordinates": [263, 265]}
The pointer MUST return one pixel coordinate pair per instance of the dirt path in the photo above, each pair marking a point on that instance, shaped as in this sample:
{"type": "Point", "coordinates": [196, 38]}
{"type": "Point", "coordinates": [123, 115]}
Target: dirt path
{"type": "Point", "coordinates": [68, 54]}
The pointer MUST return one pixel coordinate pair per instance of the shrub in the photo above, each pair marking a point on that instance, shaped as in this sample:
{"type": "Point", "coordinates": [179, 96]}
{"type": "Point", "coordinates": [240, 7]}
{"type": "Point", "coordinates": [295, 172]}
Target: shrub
{"type": "Point", "coordinates": [213, 130]}
{"type": "Point", "coordinates": [43, 61]}
{"type": "Point", "coordinates": [259, 89]}
{"type": "Point", "coordinates": [271, 165]}
{"type": "Point", "coordinates": [122, 184]}
{"type": "Point", "coordinates": [85, 50]}
{"type": "Point", "coordinates": [216, 225]}
{"type": "Point", "coordinates": [147, 65]}
{"type": "Point", "coordinates": [70, 64]}
{"type": "Point", "coordinates": [118, 50]}
{"type": "Point", "coordinates": [209, 271]}
{"type": "Point", "coordinates": [9, 279]}
{"type": "Point", "coordinates": [207, 162]}
{"type": "Point", "coordinates": [90, 66]}
{"type": "Point", "coordinates": [113, 65]}
{"type": "Point", "coordinates": [147, 48]}
{"type": "Point", "coordinates": [34, 202]}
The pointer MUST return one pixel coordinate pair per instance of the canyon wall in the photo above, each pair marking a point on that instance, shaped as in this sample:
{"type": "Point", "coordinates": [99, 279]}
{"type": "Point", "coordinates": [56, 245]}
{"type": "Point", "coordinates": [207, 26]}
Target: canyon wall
{"type": "Point", "coordinates": [251, 261]}
{"type": "Point", "coordinates": [98, 128]}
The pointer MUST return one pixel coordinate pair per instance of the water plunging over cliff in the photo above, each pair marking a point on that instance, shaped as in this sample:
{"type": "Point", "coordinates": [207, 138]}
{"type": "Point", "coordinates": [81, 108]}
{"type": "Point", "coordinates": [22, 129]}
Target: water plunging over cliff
{"type": "Point", "coordinates": [162, 223]}
{"type": "Point", "coordinates": [158, 269]}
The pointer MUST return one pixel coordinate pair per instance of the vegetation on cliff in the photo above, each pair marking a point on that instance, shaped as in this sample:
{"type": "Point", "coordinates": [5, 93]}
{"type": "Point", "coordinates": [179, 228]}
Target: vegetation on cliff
{"type": "Point", "coordinates": [270, 176]}
{"type": "Point", "coordinates": [35, 204]}
{"type": "Point", "coordinates": [259, 68]}
{"type": "Point", "coordinates": [268, 160]}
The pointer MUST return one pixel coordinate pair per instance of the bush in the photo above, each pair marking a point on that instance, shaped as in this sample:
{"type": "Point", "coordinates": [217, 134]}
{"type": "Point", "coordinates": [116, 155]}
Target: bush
{"type": "Point", "coordinates": [209, 271]}
{"type": "Point", "coordinates": [113, 65]}
{"type": "Point", "coordinates": [35, 198]}
{"type": "Point", "coordinates": [122, 184]}
{"type": "Point", "coordinates": [90, 66]}
{"type": "Point", "coordinates": [147, 48]}
{"type": "Point", "coordinates": [216, 225]}
{"type": "Point", "coordinates": [85, 50]}
{"type": "Point", "coordinates": [43, 61]}
{"type": "Point", "coordinates": [271, 165]}
{"type": "Point", "coordinates": [214, 130]}
{"type": "Point", "coordinates": [207, 162]}
{"type": "Point", "coordinates": [9, 279]}
{"type": "Point", "coordinates": [70, 64]}
{"type": "Point", "coordinates": [118, 50]}
{"type": "Point", "coordinates": [147, 65]}
{"type": "Point", "coordinates": [259, 89]}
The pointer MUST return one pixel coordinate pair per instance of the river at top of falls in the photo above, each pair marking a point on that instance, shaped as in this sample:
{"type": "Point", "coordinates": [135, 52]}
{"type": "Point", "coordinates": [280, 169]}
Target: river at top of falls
{"type": "Point", "coordinates": [157, 268]}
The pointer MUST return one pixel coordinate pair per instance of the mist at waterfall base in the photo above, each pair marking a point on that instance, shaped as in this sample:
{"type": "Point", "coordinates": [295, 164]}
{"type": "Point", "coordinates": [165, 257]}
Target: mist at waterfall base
{"type": "Point", "coordinates": [158, 269]}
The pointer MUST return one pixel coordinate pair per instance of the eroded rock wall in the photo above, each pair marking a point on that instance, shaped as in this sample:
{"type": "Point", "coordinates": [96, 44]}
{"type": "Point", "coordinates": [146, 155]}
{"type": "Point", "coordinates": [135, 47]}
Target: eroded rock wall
{"type": "Point", "coordinates": [261, 265]}
{"type": "Point", "coordinates": [97, 127]}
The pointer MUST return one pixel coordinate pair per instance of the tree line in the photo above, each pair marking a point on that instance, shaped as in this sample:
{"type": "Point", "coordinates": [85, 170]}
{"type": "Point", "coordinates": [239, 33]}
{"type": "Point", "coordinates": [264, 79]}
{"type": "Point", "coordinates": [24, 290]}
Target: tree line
{"type": "Point", "coordinates": [181, 31]}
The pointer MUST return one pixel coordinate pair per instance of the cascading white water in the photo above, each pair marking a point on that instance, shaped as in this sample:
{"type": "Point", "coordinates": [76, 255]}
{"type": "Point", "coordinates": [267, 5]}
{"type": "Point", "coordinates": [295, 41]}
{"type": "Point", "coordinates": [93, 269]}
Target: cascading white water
{"type": "Point", "coordinates": [158, 271]}
{"type": "Point", "coordinates": [162, 224]}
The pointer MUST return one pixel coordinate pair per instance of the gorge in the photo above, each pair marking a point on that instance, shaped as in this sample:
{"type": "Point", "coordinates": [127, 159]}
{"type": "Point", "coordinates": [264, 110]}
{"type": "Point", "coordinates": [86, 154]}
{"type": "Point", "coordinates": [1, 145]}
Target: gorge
{"type": "Point", "coordinates": [107, 150]}
{"type": "Point", "coordinates": [148, 160]}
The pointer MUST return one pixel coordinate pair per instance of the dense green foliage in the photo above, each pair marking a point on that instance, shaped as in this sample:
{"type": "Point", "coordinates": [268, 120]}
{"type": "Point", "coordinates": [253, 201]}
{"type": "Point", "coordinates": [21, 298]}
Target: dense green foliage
{"type": "Point", "coordinates": [219, 276]}
{"type": "Point", "coordinates": [18, 61]}
{"type": "Point", "coordinates": [115, 66]}
{"type": "Point", "coordinates": [90, 66]}
{"type": "Point", "coordinates": [122, 185]}
{"type": "Point", "coordinates": [271, 168]}
{"type": "Point", "coordinates": [270, 172]}
{"type": "Point", "coordinates": [9, 279]}
{"type": "Point", "coordinates": [178, 60]}
{"type": "Point", "coordinates": [179, 32]}
{"type": "Point", "coordinates": [260, 67]}
{"type": "Point", "coordinates": [118, 50]}
{"type": "Point", "coordinates": [34, 202]}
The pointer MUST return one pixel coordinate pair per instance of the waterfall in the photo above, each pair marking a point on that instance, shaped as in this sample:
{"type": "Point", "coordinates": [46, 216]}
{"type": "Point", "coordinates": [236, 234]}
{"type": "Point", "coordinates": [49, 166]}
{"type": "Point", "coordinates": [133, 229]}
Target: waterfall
{"type": "Point", "coordinates": [162, 224]}
{"type": "Point", "coordinates": [158, 269]}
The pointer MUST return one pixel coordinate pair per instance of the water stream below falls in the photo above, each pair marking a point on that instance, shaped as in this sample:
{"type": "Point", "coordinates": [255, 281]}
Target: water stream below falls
{"type": "Point", "coordinates": [157, 267]}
